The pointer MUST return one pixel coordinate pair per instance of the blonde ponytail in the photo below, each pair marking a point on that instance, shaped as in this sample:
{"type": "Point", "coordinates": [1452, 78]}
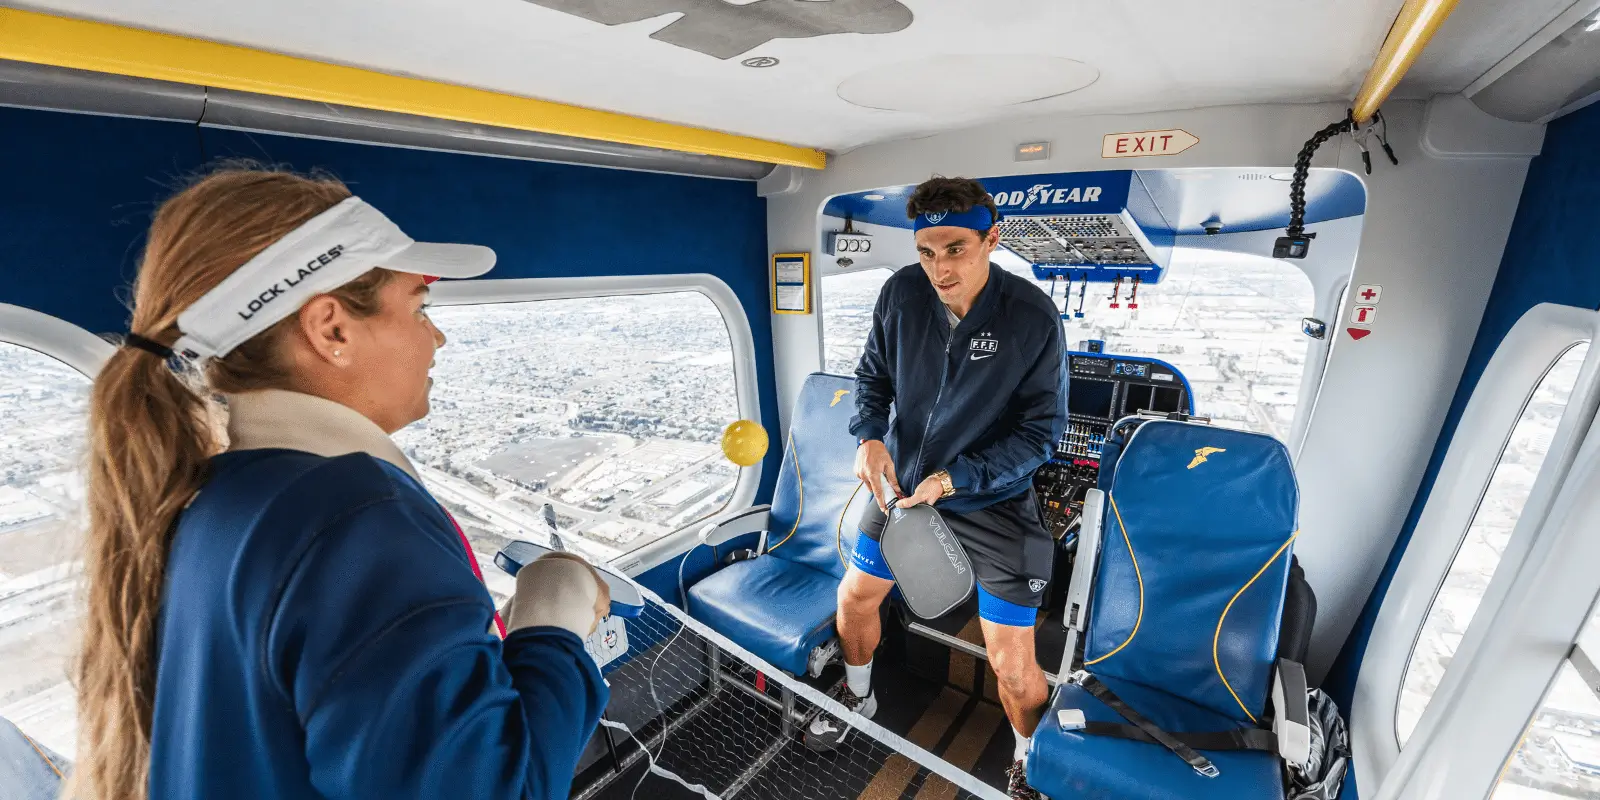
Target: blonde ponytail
{"type": "Point", "coordinates": [152, 432]}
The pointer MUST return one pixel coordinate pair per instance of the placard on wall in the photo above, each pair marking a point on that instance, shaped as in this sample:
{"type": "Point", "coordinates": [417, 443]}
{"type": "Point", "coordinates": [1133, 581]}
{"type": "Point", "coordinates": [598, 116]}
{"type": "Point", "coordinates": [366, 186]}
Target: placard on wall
{"type": "Point", "coordinates": [791, 283]}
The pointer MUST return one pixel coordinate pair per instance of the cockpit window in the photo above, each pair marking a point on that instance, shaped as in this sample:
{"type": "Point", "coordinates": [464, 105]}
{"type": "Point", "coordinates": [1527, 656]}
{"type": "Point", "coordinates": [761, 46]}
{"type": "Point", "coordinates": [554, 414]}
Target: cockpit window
{"type": "Point", "coordinates": [610, 409]}
{"type": "Point", "coordinates": [43, 408]}
{"type": "Point", "coordinates": [1229, 322]}
{"type": "Point", "coordinates": [847, 303]}
{"type": "Point", "coordinates": [1485, 540]}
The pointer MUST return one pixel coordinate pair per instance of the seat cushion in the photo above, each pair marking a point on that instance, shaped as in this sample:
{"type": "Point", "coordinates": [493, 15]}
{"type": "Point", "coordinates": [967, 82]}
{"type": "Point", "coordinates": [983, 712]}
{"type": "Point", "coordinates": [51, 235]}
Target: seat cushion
{"type": "Point", "coordinates": [1070, 764]}
{"type": "Point", "coordinates": [774, 608]}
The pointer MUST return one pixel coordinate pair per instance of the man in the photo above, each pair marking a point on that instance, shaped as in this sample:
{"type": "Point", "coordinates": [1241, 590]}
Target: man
{"type": "Point", "coordinates": [971, 358]}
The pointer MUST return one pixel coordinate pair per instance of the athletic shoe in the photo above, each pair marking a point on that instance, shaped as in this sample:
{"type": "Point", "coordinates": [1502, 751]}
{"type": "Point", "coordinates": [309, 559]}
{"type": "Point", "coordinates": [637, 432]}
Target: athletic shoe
{"type": "Point", "coordinates": [826, 732]}
{"type": "Point", "coordinates": [1017, 787]}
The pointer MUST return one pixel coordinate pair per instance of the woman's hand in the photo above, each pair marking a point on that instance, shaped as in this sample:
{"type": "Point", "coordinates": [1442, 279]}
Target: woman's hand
{"type": "Point", "coordinates": [559, 590]}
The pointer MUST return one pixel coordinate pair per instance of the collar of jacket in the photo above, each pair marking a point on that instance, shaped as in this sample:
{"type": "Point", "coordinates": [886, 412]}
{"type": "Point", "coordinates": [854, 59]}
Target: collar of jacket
{"type": "Point", "coordinates": [982, 308]}
{"type": "Point", "coordinates": [278, 419]}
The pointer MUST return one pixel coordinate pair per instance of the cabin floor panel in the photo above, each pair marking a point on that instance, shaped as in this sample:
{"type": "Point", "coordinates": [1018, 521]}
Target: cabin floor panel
{"type": "Point", "coordinates": [726, 753]}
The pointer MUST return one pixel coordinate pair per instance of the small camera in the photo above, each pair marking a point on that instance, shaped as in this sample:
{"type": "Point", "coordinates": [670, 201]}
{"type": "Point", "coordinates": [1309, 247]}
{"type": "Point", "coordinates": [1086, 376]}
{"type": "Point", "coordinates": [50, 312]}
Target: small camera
{"type": "Point", "coordinates": [1292, 246]}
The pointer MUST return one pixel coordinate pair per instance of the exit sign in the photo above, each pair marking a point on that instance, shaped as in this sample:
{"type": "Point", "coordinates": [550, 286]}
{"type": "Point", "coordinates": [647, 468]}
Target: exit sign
{"type": "Point", "coordinates": [1147, 143]}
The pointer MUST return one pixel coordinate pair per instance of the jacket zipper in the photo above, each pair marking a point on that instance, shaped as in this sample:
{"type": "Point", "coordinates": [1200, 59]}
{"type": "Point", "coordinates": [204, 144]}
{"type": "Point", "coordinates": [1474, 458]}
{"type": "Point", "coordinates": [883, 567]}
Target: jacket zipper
{"type": "Point", "coordinates": [944, 371]}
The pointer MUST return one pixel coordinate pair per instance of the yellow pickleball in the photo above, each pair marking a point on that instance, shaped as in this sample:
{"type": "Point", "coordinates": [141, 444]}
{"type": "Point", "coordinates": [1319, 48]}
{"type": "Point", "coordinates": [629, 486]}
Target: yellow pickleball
{"type": "Point", "coordinates": [744, 442]}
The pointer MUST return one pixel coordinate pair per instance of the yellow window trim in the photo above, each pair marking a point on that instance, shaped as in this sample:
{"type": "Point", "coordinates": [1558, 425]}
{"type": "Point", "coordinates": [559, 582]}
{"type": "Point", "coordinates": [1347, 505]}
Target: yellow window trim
{"type": "Point", "coordinates": [102, 47]}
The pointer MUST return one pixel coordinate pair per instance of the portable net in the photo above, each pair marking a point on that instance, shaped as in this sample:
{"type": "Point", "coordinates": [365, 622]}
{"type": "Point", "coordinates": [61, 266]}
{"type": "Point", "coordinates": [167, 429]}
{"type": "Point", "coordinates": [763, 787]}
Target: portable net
{"type": "Point", "coordinates": [725, 724]}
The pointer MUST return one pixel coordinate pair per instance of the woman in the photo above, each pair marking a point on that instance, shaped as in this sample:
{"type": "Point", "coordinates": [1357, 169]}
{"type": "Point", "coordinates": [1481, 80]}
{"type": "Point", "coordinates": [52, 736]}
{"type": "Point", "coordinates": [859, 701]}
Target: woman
{"type": "Point", "coordinates": [293, 615]}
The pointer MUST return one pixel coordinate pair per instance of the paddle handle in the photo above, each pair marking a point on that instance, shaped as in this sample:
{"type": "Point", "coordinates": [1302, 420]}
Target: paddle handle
{"type": "Point", "coordinates": [886, 493]}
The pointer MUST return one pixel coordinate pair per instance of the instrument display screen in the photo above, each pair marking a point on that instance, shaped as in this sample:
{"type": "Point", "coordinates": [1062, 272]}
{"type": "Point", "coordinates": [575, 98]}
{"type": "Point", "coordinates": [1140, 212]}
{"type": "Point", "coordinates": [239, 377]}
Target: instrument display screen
{"type": "Point", "coordinates": [1091, 398]}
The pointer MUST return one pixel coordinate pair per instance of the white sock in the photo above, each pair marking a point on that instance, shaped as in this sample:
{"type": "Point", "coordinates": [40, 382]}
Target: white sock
{"type": "Point", "coordinates": [859, 678]}
{"type": "Point", "coordinates": [1021, 750]}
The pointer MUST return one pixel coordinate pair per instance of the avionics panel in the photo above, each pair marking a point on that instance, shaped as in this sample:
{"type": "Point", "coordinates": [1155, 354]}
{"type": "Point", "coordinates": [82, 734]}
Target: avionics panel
{"type": "Point", "coordinates": [1102, 388]}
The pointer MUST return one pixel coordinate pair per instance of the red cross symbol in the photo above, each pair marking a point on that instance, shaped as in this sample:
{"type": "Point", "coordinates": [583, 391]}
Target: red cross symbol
{"type": "Point", "coordinates": [1368, 294]}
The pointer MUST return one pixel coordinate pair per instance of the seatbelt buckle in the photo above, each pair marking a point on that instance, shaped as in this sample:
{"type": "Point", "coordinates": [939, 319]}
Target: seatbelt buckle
{"type": "Point", "coordinates": [1071, 719]}
{"type": "Point", "coordinates": [1208, 770]}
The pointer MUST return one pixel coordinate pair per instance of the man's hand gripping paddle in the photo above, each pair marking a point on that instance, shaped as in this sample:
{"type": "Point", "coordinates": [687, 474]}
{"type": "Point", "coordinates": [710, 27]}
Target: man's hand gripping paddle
{"type": "Point", "coordinates": [925, 557]}
{"type": "Point", "coordinates": [625, 598]}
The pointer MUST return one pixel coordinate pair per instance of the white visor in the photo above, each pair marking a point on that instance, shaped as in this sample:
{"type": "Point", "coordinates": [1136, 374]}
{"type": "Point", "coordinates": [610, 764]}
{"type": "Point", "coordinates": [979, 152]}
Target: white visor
{"type": "Point", "coordinates": [328, 251]}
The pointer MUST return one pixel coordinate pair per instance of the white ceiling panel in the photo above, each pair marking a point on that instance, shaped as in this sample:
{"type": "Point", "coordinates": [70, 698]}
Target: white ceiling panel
{"type": "Point", "coordinates": [1476, 36]}
{"type": "Point", "coordinates": [1145, 56]}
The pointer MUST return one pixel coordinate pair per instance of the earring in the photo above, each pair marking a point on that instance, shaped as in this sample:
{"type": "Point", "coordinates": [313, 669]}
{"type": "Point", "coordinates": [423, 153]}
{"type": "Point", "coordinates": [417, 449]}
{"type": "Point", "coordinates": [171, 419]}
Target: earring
{"type": "Point", "coordinates": [337, 353]}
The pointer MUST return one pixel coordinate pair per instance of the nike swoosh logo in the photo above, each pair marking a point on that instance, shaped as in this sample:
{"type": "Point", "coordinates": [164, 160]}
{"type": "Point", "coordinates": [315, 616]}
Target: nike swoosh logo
{"type": "Point", "coordinates": [976, 357]}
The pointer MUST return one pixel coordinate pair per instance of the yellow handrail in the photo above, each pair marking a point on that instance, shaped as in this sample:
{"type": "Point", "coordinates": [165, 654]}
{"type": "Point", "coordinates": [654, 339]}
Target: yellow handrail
{"type": "Point", "coordinates": [102, 47]}
{"type": "Point", "coordinates": [1413, 27]}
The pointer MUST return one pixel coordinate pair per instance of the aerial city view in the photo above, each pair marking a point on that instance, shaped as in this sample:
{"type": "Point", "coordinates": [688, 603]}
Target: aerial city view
{"type": "Point", "coordinates": [610, 410]}
{"type": "Point", "coordinates": [43, 413]}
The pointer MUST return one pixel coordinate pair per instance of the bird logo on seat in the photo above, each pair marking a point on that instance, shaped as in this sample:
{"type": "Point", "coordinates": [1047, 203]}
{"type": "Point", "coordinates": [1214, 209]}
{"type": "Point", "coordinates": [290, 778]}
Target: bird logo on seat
{"type": "Point", "coordinates": [837, 396]}
{"type": "Point", "coordinates": [1202, 454]}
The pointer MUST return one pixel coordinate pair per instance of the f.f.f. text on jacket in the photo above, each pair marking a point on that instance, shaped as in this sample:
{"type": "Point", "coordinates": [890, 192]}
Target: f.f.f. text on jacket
{"type": "Point", "coordinates": [985, 401]}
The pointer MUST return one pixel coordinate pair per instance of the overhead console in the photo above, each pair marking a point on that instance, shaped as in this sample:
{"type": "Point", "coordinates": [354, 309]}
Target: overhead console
{"type": "Point", "coordinates": [1098, 227]}
{"type": "Point", "coordinates": [1103, 388]}
{"type": "Point", "coordinates": [1095, 227]}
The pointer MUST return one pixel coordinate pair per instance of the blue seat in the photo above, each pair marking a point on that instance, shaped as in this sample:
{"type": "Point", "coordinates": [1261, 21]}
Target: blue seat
{"type": "Point", "coordinates": [780, 604]}
{"type": "Point", "coordinates": [777, 609]}
{"type": "Point", "coordinates": [1088, 766]}
{"type": "Point", "coordinates": [1194, 536]}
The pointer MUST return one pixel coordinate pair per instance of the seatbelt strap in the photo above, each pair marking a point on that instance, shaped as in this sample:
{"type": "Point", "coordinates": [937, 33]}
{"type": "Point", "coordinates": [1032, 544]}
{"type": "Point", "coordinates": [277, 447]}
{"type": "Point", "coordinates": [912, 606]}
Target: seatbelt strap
{"type": "Point", "coordinates": [1237, 739]}
{"type": "Point", "coordinates": [1199, 763]}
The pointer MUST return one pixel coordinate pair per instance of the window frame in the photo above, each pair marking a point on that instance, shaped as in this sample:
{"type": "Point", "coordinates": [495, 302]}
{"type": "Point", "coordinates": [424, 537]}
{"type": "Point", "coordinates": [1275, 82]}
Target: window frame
{"type": "Point", "coordinates": [1514, 373]}
{"type": "Point", "coordinates": [54, 337]}
{"type": "Point", "coordinates": [1318, 352]}
{"type": "Point", "coordinates": [746, 377]}
{"type": "Point", "coordinates": [1472, 519]}
{"type": "Point", "coordinates": [1514, 663]}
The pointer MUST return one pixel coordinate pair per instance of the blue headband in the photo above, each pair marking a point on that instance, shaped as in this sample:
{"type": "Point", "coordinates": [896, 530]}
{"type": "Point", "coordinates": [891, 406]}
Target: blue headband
{"type": "Point", "coordinates": [976, 218]}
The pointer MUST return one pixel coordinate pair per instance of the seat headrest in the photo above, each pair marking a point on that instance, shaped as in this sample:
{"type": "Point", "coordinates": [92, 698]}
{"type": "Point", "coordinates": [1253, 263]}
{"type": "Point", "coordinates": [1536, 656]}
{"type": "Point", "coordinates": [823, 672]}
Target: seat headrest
{"type": "Point", "coordinates": [817, 478]}
{"type": "Point", "coordinates": [1195, 552]}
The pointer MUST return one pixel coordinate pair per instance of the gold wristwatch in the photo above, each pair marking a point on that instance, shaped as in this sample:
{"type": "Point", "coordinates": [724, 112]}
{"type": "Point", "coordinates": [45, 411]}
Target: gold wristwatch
{"type": "Point", "coordinates": [944, 481]}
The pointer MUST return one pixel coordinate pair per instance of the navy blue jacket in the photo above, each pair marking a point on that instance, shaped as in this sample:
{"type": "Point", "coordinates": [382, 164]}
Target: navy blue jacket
{"type": "Point", "coordinates": [985, 401]}
{"type": "Point", "coordinates": [322, 635]}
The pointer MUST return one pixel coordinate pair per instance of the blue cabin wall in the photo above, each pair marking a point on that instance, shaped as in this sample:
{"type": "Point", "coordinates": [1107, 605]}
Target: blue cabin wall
{"type": "Point", "coordinates": [80, 191]}
{"type": "Point", "coordinates": [1552, 256]}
